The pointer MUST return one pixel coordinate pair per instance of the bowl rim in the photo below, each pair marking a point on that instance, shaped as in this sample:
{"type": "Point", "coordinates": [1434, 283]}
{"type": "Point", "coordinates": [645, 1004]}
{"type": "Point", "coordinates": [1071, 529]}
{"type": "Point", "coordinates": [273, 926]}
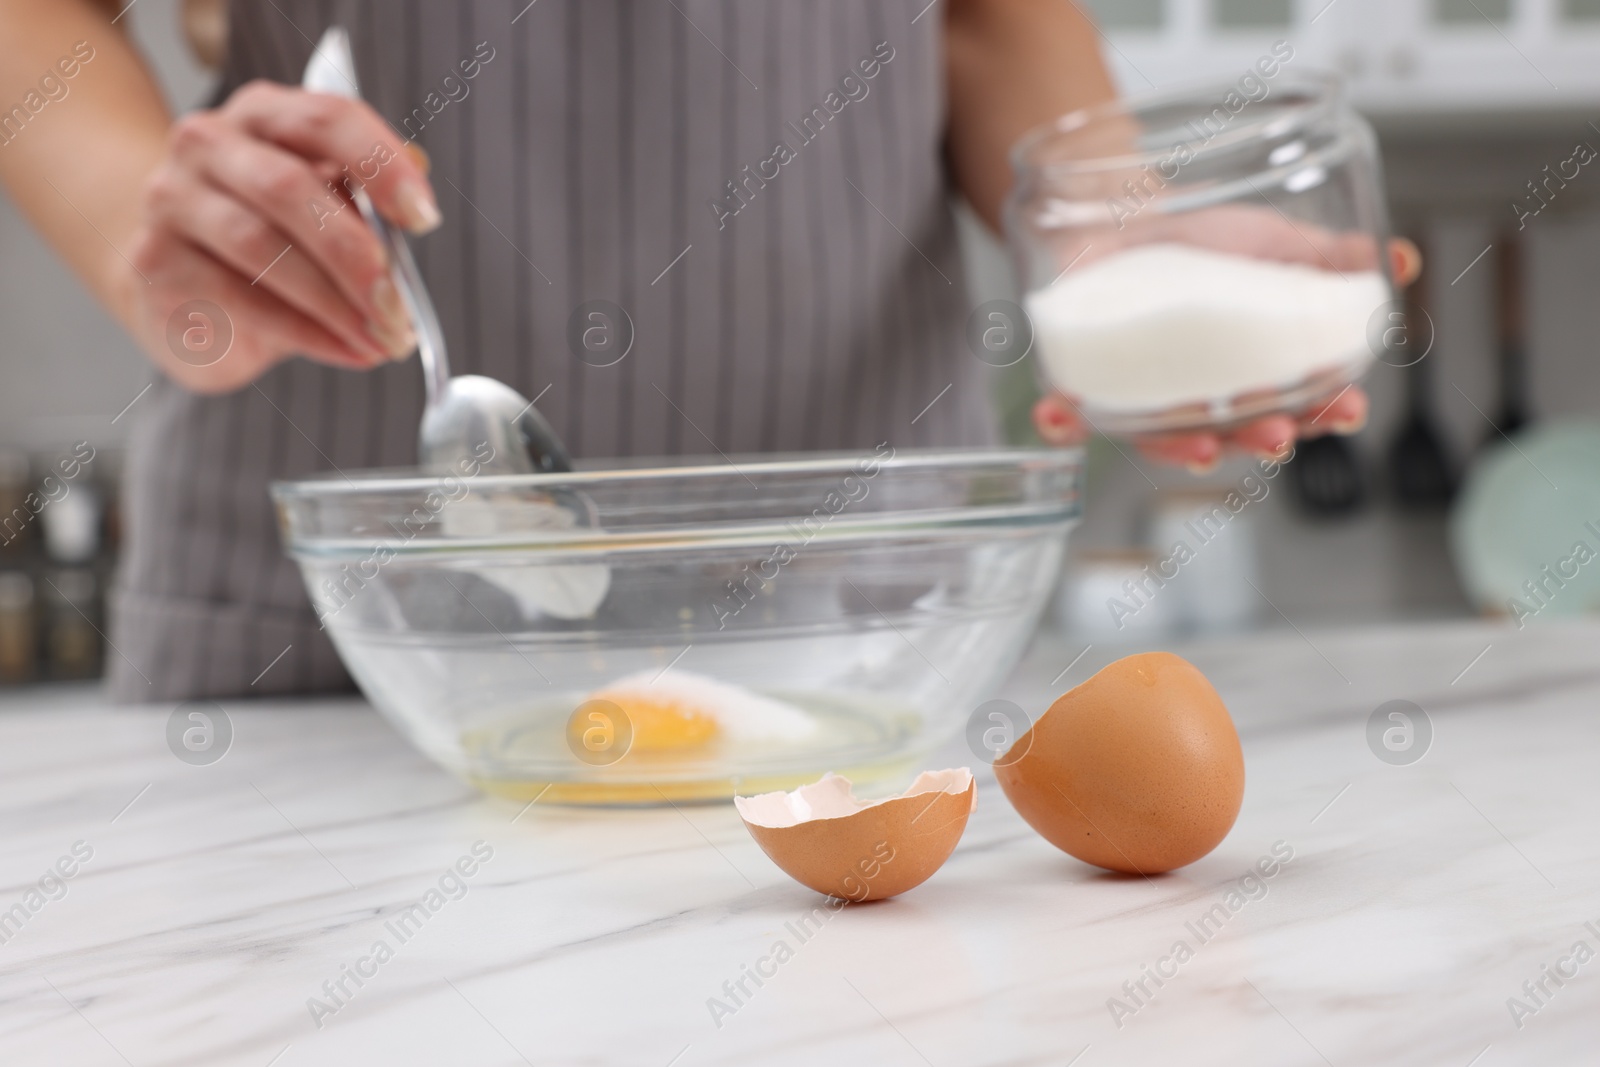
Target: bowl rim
{"type": "Point", "coordinates": [595, 472]}
{"type": "Point", "coordinates": [297, 503]}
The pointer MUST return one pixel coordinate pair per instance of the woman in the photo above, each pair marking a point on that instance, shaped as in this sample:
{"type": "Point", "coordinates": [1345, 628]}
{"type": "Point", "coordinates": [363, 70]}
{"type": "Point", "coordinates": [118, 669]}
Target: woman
{"type": "Point", "coordinates": [762, 188]}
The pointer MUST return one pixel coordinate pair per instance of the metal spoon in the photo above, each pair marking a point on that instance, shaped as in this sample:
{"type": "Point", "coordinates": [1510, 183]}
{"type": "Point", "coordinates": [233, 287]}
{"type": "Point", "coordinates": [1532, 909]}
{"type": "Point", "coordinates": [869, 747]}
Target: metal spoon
{"type": "Point", "coordinates": [465, 412]}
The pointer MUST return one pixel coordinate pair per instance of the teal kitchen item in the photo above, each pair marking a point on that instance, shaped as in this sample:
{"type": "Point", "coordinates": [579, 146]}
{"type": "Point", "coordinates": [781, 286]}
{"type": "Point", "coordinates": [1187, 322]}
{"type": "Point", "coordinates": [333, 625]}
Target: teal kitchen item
{"type": "Point", "coordinates": [1525, 532]}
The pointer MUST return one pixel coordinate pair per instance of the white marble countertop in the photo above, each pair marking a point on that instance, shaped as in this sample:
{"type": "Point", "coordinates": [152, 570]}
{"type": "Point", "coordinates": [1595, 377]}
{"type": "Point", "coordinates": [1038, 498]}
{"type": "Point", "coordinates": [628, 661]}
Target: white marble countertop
{"type": "Point", "coordinates": [216, 900]}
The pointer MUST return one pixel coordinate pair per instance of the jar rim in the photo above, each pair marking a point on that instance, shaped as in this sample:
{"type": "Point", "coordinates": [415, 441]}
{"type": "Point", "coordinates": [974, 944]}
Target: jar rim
{"type": "Point", "coordinates": [1319, 93]}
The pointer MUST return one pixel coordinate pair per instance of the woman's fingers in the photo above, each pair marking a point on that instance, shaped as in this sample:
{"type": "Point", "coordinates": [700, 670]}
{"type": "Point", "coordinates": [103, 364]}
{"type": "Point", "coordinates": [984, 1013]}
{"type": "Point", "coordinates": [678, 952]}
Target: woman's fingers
{"type": "Point", "coordinates": [1405, 261]}
{"type": "Point", "coordinates": [251, 212]}
{"type": "Point", "coordinates": [1355, 251]}
{"type": "Point", "coordinates": [1270, 435]}
{"type": "Point", "coordinates": [1344, 413]}
{"type": "Point", "coordinates": [419, 156]}
{"type": "Point", "coordinates": [1258, 233]}
{"type": "Point", "coordinates": [285, 194]}
{"type": "Point", "coordinates": [1056, 421]}
{"type": "Point", "coordinates": [290, 331]}
{"type": "Point", "coordinates": [1199, 452]}
{"type": "Point", "coordinates": [239, 238]}
{"type": "Point", "coordinates": [260, 329]}
{"type": "Point", "coordinates": [347, 132]}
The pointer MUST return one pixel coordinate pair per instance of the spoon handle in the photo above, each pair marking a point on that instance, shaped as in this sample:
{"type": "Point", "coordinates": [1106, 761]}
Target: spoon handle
{"type": "Point", "coordinates": [332, 69]}
{"type": "Point", "coordinates": [424, 319]}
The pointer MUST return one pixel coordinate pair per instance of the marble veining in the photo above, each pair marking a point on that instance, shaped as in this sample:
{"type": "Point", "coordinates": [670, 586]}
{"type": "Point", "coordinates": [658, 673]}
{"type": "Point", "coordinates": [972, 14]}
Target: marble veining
{"type": "Point", "coordinates": [1422, 904]}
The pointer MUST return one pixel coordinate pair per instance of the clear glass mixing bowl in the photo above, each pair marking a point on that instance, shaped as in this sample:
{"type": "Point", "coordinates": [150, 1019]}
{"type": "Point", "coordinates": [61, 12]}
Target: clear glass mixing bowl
{"type": "Point", "coordinates": [1198, 258]}
{"type": "Point", "coordinates": [686, 629]}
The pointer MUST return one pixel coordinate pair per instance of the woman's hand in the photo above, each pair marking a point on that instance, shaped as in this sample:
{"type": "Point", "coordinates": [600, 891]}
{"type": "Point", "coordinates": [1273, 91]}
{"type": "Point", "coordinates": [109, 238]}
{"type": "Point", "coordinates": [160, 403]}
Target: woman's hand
{"type": "Point", "coordinates": [1058, 421]}
{"type": "Point", "coordinates": [248, 218]}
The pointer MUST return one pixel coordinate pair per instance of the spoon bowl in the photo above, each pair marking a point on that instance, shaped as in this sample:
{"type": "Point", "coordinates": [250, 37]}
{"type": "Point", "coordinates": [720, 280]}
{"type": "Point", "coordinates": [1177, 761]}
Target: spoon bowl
{"type": "Point", "coordinates": [489, 420]}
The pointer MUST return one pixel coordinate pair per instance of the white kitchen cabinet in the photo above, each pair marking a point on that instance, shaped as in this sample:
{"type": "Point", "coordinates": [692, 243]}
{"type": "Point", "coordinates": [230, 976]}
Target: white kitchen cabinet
{"type": "Point", "coordinates": [1402, 57]}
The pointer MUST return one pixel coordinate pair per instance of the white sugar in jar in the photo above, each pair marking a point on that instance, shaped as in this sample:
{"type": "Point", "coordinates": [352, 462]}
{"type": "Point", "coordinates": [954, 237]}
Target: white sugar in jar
{"type": "Point", "coordinates": [1195, 260]}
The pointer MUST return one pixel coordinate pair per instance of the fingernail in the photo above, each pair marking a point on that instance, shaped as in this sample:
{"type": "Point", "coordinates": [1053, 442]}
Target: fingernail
{"type": "Point", "coordinates": [1348, 426]}
{"type": "Point", "coordinates": [1055, 433]}
{"type": "Point", "coordinates": [419, 156]}
{"type": "Point", "coordinates": [1410, 257]}
{"type": "Point", "coordinates": [418, 212]}
{"type": "Point", "coordinates": [392, 328]}
{"type": "Point", "coordinates": [391, 309]}
{"type": "Point", "coordinates": [1197, 466]}
{"type": "Point", "coordinates": [396, 344]}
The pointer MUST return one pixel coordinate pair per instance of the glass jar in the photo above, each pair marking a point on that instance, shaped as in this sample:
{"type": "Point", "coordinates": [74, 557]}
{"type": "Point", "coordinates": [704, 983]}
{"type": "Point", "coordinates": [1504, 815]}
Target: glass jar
{"type": "Point", "coordinates": [1194, 260]}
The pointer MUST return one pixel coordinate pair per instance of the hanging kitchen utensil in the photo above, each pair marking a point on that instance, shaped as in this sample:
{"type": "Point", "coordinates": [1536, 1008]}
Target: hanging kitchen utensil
{"type": "Point", "coordinates": [1327, 477]}
{"type": "Point", "coordinates": [1512, 353]}
{"type": "Point", "coordinates": [1420, 468]}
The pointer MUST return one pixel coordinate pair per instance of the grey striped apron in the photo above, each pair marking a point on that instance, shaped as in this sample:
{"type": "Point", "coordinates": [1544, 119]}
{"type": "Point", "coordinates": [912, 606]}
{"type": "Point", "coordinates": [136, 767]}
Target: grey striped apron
{"type": "Point", "coordinates": [618, 150]}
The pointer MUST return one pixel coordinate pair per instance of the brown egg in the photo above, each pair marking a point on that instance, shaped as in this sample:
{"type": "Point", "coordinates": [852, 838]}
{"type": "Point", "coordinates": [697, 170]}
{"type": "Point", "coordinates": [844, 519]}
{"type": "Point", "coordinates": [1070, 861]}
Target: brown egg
{"type": "Point", "coordinates": [827, 840]}
{"type": "Point", "coordinates": [1137, 770]}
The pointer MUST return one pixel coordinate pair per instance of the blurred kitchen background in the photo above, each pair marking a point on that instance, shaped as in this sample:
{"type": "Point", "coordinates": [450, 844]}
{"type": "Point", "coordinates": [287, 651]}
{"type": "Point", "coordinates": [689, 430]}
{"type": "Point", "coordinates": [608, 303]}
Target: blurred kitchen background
{"type": "Point", "coordinates": [1472, 101]}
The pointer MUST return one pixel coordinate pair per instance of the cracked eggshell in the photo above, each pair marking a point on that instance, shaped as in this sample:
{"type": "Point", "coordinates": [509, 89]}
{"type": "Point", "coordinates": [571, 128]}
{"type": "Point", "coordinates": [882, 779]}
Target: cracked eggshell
{"type": "Point", "coordinates": [1138, 769]}
{"type": "Point", "coordinates": [827, 840]}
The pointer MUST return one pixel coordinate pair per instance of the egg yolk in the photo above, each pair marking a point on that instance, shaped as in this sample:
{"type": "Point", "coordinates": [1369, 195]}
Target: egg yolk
{"type": "Point", "coordinates": [663, 723]}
